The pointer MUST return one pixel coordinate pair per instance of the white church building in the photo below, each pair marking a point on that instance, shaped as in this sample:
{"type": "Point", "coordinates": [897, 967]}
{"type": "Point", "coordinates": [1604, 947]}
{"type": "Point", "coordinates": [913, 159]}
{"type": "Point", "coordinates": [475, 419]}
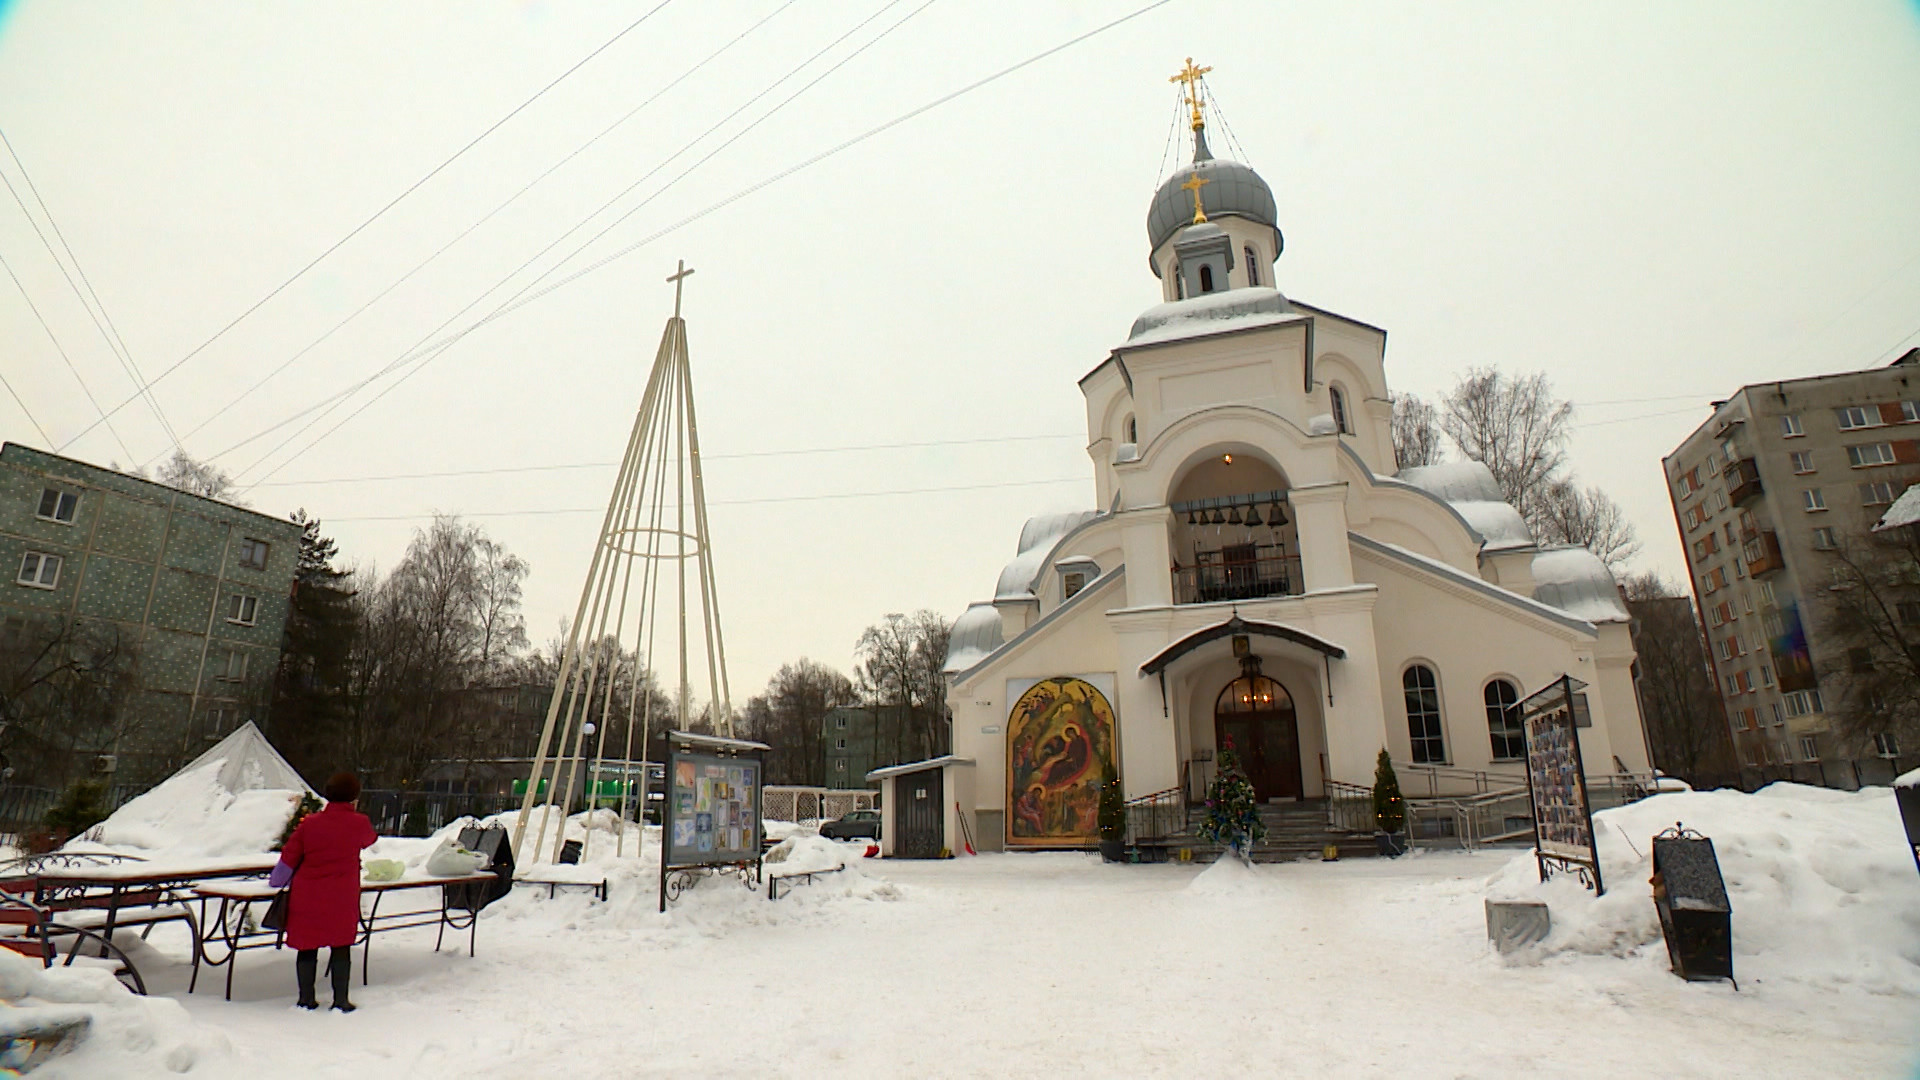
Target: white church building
{"type": "Point", "coordinates": [1256, 570]}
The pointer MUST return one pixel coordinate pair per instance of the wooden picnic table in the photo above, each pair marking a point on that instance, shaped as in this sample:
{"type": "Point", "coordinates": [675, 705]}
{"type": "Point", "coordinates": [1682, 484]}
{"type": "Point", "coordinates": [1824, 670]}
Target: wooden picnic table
{"type": "Point", "coordinates": [235, 927]}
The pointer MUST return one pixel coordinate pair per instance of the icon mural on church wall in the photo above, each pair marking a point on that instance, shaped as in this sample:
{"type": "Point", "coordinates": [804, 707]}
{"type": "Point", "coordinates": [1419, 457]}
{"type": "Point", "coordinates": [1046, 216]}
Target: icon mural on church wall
{"type": "Point", "coordinates": [1060, 743]}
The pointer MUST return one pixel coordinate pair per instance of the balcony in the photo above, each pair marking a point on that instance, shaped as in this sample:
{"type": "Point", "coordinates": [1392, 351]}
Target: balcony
{"type": "Point", "coordinates": [1743, 481]}
{"type": "Point", "coordinates": [1238, 572]}
{"type": "Point", "coordinates": [1762, 553]}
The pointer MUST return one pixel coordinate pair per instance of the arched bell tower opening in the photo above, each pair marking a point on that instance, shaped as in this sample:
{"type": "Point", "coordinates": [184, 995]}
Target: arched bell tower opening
{"type": "Point", "coordinates": [1254, 715]}
{"type": "Point", "coordinates": [1232, 536]}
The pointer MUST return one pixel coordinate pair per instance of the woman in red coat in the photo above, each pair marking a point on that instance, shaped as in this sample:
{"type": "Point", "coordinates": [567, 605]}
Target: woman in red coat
{"type": "Point", "coordinates": [322, 862]}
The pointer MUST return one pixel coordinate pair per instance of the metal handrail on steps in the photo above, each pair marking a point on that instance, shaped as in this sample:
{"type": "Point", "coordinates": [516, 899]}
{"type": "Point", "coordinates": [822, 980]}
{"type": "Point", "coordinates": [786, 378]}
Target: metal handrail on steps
{"type": "Point", "coordinates": [1349, 807]}
{"type": "Point", "coordinates": [1157, 816]}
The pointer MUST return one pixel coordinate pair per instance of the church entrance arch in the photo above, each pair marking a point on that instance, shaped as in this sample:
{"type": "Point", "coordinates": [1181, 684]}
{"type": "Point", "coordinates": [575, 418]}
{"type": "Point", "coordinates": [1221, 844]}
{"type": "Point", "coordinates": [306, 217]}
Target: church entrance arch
{"type": "Point", "coordinates": [1254, 714]}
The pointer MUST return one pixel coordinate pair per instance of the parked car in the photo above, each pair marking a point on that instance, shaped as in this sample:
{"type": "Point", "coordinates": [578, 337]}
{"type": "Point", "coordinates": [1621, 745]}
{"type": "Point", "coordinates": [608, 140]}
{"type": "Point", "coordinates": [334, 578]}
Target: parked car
{"type": "Point", "coordinates": [860, 824]}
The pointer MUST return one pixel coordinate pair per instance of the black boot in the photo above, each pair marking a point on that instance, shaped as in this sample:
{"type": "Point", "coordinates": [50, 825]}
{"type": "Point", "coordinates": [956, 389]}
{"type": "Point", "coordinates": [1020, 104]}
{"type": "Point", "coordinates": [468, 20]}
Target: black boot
{"type": "Point", "coordinates": [340, 970]}
{"type": "Point", "coordinates": [306, 965]}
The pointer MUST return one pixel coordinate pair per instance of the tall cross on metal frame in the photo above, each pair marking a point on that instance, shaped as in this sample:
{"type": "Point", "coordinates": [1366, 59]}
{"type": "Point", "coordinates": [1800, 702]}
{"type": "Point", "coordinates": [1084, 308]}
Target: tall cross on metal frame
{"type": "Point", "coordinates": [679, 279]}
{"type": "Point", "coordinates": [1191, 76]}
{"type": "Point", "coordinates": [1194, 184]}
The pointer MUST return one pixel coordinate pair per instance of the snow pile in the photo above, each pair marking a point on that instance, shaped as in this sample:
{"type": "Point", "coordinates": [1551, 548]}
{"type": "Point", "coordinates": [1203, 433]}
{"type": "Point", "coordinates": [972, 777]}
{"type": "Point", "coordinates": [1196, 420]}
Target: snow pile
{"type": "Point", "coordinates": [195, 814]}
{"type": "Point", "coordinates": [125, 1035]}
{"type": "Point", "coordinates": [1228, 877]}
{"type": "Point", "coordinates": [1821, 884]}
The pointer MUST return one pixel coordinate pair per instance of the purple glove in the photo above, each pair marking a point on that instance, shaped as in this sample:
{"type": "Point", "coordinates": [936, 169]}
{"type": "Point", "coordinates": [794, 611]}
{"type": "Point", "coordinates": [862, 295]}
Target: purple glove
{"type": "Point", "coordinates": [282, 874]}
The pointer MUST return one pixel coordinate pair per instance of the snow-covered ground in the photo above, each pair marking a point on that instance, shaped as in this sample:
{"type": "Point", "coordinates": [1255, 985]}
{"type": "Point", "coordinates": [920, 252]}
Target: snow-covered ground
{"type": "Point", "coordinates": [1056, 964]}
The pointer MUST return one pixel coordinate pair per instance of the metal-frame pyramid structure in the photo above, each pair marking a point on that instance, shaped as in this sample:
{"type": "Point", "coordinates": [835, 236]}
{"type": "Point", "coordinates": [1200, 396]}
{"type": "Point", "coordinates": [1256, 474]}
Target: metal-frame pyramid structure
{"type": "Point", "coordinates": [636, 597]}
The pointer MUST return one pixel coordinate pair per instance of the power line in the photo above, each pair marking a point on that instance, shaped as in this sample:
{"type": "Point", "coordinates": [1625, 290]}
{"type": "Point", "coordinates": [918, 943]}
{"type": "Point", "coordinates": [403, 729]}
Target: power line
{"type": "Point", "coordinates": [422, 360]}
{"type": "Point", "coordinates": [704, 457]}
{"type": "Point", "coordinates": [62, 350]}
{"type": "Point", "coordinates": [489, 216]}
{"type": "Point", "coordinates": [751, 189]}
{"type": "Point", "coordinates": [742, 502]}
{"type": "Point", "coordinates": [377, 214]}
{"type": "Point", "coordinates": [115, 344]}
{"type": "Point", "coordinates": [15, 394]}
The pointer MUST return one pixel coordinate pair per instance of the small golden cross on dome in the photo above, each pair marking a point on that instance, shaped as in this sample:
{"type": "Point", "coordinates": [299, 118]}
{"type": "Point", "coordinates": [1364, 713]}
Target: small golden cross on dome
{"type": "Point", "coordinates": [1194, 184]}
{"type": "Point", "coordinates": [1191, 76]}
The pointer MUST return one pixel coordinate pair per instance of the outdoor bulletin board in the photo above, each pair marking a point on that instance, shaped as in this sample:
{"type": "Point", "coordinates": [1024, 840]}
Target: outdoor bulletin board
{"type": "Point", "coordinates": [1557, 783]}
{"type": "Point", "coordinates": [711, 817]}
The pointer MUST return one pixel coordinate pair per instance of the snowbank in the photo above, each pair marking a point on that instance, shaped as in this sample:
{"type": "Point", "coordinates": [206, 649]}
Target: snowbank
{"type": "Point", "coordinates": [194, 813]}
{"type": "Point", "coordinates": [127, 1036]}
{"type": "Point", "coordinates": [1821, 884]}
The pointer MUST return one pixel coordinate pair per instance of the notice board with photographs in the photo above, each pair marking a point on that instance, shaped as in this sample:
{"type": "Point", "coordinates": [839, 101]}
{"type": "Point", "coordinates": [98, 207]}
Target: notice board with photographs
{"type": "Point", "coordinates": [1557, 782]}
{"type": "Point", "coordinates": [711, 817]}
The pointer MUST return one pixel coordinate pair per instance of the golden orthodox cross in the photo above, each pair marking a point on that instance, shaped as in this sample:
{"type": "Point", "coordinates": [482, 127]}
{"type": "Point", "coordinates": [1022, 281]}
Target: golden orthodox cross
{"type": "Point", "coordinates": [1194, 184]}
{"type": "Point", "coordinates": [1191, 76]}
{"type": "Point", "coordinates": [679, 278]}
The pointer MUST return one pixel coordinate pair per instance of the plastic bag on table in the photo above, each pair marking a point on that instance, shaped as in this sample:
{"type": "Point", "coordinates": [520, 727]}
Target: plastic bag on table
{"type": "Point", "coordinates": [383, 870]}
{"type": "Point", "coordinates": [452, 860]}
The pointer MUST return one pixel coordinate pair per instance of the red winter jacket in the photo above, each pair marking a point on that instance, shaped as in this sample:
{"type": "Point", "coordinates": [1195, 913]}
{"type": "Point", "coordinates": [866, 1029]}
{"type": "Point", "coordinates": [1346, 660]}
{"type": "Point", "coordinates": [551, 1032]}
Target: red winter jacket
{"type": "Point", "coordinates": [324, 851]}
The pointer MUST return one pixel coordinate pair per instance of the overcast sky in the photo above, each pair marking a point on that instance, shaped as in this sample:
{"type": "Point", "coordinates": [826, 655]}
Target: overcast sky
{"type": "Point", "coordinates": [1651, 202]}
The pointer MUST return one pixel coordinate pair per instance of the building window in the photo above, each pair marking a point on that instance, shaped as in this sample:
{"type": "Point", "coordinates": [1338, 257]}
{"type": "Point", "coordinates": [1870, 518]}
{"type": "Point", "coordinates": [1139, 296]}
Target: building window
{"type": "Point", "coordinates": [1206, 279]}
{"type": "Point", "coordinates": [1253, 266]}
{"type": "Point", "coordinates": [1778, 716]}
{"type": "Point", "coordinates": [1802, 461]}
{"type": "Point", "coordinates": [253, 554]}
{"type": "Point", "coordinates": [840, 765]}
{"type": "Point", "coordinates": [1339, 402]}
{"type": "Point", "coordinates": [57, 505]}
{"type": "Point", "coordinates": [1072, 583]}
{"type": "Point", "coordinates": [1870, 454]}
{"type": "Point", "coordinates": [39, 570]}
{"type": "Point", "coordinates": [234, 667]}
{"type": "Point", "coordinates": [1823, 538]}
{"type": "Point", "coordinates": [840, 744]}
{"type": "Point", "coordinates": [1910, 411]}
{"type": "Point", "coordinates": [1811, 500]}
{"type": "Point", "coordinates": [1909, 611]}
{"type": "Point", "coordinates": [1133, 429]}
{"type": "Point", "coordinates": [1885, 745]}
{"type": "Point", "coordinates": [242, 609]}
{"type": "Point", "coordinates": [1713, 465]}
{"type": "Point", "coordinates": [1422, 689]}
{"type": "Point", "coordinates": [1766, 592]}
{"type": "Point", "coordinates": [840, 722]}
{"type": "Point", "coordinates": [217, 723]}
{"type": "Point", "coordinates": [1853, 417]}
{"type": "Point", "coordinates": [1876, 494]}
{"type": "Point", "coordinates": [1790, 426]}
{"type": "Point", "coordinates": [1809, 750]}
{"type": "Point", "coordinates": [1803, 703]}
{"type": "Point", "coordinates": [1503, 721]}
{"type": "Point", "coordinates": [1179, 284]}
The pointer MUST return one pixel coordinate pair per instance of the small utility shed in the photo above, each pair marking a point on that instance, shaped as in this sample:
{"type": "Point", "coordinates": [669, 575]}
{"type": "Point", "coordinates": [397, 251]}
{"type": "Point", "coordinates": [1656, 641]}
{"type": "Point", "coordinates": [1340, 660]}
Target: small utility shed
{"type": "Point", "coordinates": [920, 808]}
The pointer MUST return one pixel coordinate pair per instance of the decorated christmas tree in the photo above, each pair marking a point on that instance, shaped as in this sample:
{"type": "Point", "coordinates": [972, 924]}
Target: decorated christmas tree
{"type": "Point", "coordinates": [1389, 809]}
{"type": "Point", "coordinates": [1233, 813]}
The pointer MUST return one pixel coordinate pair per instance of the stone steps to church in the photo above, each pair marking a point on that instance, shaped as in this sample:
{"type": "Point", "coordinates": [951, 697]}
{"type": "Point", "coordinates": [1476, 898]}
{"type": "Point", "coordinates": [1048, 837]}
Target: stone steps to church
{"type": "Point", "coordinates": [1293, 831]}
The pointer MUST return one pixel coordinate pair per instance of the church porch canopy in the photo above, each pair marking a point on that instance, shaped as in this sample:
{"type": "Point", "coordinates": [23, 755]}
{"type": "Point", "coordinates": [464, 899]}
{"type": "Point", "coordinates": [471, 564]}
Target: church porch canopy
{"type": "Point", "coordinates": [1235, 627]}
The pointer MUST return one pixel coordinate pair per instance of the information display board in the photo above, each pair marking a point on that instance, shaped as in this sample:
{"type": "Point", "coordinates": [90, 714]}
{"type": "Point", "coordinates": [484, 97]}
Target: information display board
{"type": "Point", "coordinates": [1557, 783]}
{"type": "Point", "coordinates": [713, 810]}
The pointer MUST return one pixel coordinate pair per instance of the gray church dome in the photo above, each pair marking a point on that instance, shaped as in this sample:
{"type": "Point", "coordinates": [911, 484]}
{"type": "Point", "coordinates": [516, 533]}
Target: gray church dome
{"type": "Point", "coordinates": [1232, 190]}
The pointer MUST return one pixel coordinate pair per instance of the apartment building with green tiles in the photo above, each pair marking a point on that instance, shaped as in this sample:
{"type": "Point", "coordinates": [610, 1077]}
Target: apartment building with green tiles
{"type": "Point", "coordinates": [196, 591]}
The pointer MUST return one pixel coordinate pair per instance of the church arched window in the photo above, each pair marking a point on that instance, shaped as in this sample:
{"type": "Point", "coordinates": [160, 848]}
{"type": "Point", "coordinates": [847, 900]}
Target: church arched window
{"type": "Point", "coordinates": [1206, 279]}
{"type": "Point", "coordinates": [1503, 721]}
{"type": "Point", "coordinates": [1179, 283]}
{"type": "Point", "coordinates": [1338, 401]}
{"type": "Point", "coordinates": [1133, 429]}
{"type": "Point", "coordinates": [1424, 735]}
{"type": "Point", "coordinates": [1253, 266]}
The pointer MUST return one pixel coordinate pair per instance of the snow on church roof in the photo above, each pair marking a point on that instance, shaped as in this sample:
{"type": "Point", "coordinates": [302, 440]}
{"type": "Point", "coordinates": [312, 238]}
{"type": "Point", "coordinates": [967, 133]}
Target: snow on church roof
{"type": "Point", "coordinates": [1213, 313]}
{"type": "Point", "coordinates": [1037, 539]}
{"type": "Point", "coordinates": [1469, 488]}
{"type": "Point", "coordinates": [1577, 582]}
{"type": "Point", "coordinates": [975, 635]}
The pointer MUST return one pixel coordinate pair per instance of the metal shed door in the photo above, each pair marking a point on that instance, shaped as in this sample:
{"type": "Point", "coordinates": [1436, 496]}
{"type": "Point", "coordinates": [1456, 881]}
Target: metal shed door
{"type": "Point", "coordinates": [921, 815]}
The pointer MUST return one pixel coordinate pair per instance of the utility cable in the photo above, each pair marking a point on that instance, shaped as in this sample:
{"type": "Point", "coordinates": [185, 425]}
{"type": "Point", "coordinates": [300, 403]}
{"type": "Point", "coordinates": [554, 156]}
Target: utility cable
{"type": "Point", "coordinates": [62, 350]}
{"type": "Point", "coordinates": [45, 439]}
{"type": "Point", "coordinates": [377, 214]}
{"type": "Point", "coordinates": [754, 188]}
{"type": "Point", "coordinates": [490, 215]}
{"type": "Point", "coordinates": [108, 332]}
{"type": "Point", "coordinates": [421, 361]}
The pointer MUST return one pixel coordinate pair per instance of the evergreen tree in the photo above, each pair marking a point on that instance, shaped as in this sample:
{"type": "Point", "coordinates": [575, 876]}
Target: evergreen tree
{"type": "Point", "coordinates": [1389, 809]}
{"type": "Point", "coordinates": [1233, 811]}
{"type": "Point", "coordinates": [310, 686]}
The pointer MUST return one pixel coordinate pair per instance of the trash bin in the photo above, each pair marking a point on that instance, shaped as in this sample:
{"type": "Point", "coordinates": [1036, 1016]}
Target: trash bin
{"type": "Point", "coordinates": [570, 852]}
{"type": "Point", "coordinates": [493, 843]}
{"type": "Point", "coordinates": [1691, 897]}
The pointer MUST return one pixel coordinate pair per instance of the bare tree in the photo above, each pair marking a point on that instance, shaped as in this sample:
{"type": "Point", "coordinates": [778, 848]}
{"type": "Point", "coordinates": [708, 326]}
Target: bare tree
{"type": "Point", "coordinates": [1685, 717]}
{"type": "Point", "coordinates": [1569, 514]}
{"type": "Point", "coordinates": [1516, 428]}
{"type": "Point", "coordinates": [185, 473]}
{"type": "Point", "coordinates": [797, 698]}
{"type": "Point", "coordinates": [66, 689]}
{"type": "Point", "coordinates": [900, 660]}
{"type": "Point", "coordinates": [496, 602]}
{"type": "Point", "coordinates": [1872, 611]}
{"type": "Point", "coordinates": [1416, 432]}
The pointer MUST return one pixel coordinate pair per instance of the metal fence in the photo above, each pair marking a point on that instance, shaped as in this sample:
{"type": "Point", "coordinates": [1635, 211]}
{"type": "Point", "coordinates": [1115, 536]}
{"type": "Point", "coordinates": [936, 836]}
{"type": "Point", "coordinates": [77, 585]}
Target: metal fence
{"type": "Point", "coordinates": [23, 807]}
{"type": "Point", "coordinates": [803, 805]}
{"type": "Point", "coordinates": [422, 813]}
